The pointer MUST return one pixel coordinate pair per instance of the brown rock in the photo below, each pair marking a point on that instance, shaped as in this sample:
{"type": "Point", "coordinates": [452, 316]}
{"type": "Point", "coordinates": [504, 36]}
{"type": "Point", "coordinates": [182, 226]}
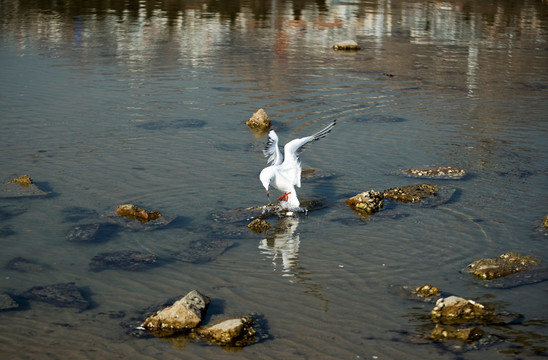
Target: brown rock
{"type": "Point", "coordinates": [134, 212]}
{"type": "Point", "coordinates": [23, 180]}
{"type": "Point", "coordinates": [368, 202]}
{"type": "Point", "coordinates": [456, 310]}
{"type": "Point", "coordinates": [505, 264]}
{"type": "Point", "coordinates": [259, 226]}
{"type": "Point", "coordinates": [411, 193]}
{"type": "Point", "coordinates": [184, 314]}
{"type": "Point", "coordinates": [427, 290]}
{"type": "Point", "coordinates": [467, 335]}
{"type": "Point", "coordinates": [545, 222]}
{"type": "Point", "coordinates": [234, 332]}
{"type": "Point", "coordinates": [259, 120]}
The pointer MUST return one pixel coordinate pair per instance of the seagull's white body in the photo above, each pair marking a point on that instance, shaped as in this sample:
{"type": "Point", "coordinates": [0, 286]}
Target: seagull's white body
{"type": "Point", "coordinates": [284, 172]}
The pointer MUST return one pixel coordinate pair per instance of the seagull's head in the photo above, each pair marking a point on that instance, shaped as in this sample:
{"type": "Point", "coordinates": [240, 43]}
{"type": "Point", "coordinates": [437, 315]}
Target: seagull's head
{"type": "Point", "coordinates": [265, 177]}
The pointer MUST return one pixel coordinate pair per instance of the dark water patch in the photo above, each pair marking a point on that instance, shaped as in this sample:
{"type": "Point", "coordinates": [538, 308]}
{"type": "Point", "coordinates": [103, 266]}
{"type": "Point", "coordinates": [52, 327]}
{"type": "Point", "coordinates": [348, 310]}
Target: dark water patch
{"type": "Point", "coordinates": [379, 119]}
{"type": "Point", "coordinates": [173, 124]}
{"type": "Point", "coordinates": [78, 213]}
{"type": "Point", "coordinates": [9, 210]}
{"type": "Point", "coordinates": [6, 231]}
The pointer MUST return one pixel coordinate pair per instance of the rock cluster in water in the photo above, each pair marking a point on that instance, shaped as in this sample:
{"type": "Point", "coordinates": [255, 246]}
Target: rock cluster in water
{"type": "Point", "coordinates": [439, 172]}
{"type": "Point", "coordinates": [505, 264]}
{"type": "Point", "coordinates": [185, 315]}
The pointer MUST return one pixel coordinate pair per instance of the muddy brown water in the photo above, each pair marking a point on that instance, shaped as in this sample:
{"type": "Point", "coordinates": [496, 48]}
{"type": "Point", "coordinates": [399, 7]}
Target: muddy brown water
{"type": "Point", "coordinates": [145, 102]}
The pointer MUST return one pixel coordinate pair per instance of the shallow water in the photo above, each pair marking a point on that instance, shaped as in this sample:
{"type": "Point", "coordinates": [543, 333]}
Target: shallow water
{"type": "Point", "coordinates": [145, 103]}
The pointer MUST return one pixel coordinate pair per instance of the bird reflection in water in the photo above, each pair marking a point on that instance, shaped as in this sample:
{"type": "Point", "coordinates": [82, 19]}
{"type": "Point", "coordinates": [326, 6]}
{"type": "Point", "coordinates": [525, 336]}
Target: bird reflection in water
{"type": "Point", "coordinates": [282, 245]}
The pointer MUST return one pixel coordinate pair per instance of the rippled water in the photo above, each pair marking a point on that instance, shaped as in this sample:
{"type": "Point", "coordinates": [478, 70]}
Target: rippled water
{"type": "Point", "coordinates": [145, 103]}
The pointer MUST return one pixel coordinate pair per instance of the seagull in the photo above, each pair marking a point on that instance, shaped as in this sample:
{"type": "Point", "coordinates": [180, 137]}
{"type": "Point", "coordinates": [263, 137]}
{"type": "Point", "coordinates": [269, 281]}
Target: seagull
{"type": "Point", "coordinates": [285, 173]}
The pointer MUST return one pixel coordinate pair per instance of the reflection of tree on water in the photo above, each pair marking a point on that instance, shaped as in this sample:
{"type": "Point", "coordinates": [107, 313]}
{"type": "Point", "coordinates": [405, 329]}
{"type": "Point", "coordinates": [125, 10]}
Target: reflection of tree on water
{"type": "Point", "coordinates": [282, 246]}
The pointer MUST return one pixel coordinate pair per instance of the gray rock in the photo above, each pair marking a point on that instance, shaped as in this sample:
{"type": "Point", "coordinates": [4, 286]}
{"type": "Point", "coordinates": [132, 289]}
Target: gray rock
{"type": "Point", "coordinates": [185, 314]}
{"type": "Point", "coordinates": [7, 303]}
{"type": "Point", "coordinates": [60, 295]}
{"type": "Point", "coordinates": [122, 260]}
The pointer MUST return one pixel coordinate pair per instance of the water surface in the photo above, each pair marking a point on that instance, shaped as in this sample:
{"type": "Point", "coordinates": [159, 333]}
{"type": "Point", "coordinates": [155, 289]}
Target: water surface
{"type": "Point", "coordinates": [145, 103]}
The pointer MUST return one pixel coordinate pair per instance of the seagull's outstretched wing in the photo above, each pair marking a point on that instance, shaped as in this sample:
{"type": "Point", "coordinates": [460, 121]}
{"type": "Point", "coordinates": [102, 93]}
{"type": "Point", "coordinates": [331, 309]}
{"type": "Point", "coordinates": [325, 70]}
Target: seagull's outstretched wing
{"type": "Point", "coordinates": [293, 148]}
{"type": "Point", "coordinates": [272, 151]}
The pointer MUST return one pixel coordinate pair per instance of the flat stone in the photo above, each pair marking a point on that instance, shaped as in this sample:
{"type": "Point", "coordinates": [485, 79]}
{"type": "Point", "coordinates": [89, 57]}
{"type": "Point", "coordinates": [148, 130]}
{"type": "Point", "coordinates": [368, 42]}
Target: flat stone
{"type": "Point", "coordinates": [437, 172]}
{"type": "Point", "coordinates": [504, 265]}
{"type": "Point", "coordinates": [346, 45]}
{"type": "Point", "coordinates": [411, 193]}
{"type": "Point", "coordinates": [233, 332]}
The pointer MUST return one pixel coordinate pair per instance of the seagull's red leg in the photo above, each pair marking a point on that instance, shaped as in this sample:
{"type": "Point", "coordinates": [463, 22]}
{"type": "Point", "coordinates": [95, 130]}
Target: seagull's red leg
{"type": "Point", "coordinates": [284, 197]}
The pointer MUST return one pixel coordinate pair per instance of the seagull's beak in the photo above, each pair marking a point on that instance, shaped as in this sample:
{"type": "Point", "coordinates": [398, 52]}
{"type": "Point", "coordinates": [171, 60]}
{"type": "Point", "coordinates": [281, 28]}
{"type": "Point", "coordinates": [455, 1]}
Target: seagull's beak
{"type": "Point", "coordinates": [268, 193]}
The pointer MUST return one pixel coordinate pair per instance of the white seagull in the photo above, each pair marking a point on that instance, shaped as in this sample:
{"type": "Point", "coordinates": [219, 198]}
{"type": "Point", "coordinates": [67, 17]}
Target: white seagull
{"type": "Point", "coordinates": [285, 173]}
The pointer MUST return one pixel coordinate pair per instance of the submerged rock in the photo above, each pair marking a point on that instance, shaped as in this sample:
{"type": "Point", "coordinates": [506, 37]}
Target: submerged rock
{"type": "Point", "coordinates": [7, 303]}
{"type": "Point", "coordinates": [201, 251]}
{"type": "Point", "coordinates": [60, 295]}
{"type": "Point", "coordinates": [90, 233]}
{"type": "Point", "coordinates": [346, 45]}
{"type": "Point", "coordinates": [184, 314]}
{"type": "Point", "coordinates": [504, 265]}
{"type": "Point", "coordinates": [259, 226]}
{"type": "Point", "coordinates": [138, 219]}
{"type": "Point", "coordinates": [466, 335]}
{"type": "Point", "coordinates": [122, 260]}
{"type": "Point", "coordinates": [233, 332]}
{"type": "Point", "coordinates": [259, 121]}
{"type": "Point", "coordinates": [368, 202]}
{"type": "Point", "coordinates": [456, 310]}
{"type": "Point", "coordinates": [21, 186]}
{"type": "Point", "coordinates": [411, 193]}
{"type": "Point", "coordinates": [134, 212]}
{"type": "Point", "coordinates": [439, 172]}
{"type": "Point", "coordinates": [26, 266]}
